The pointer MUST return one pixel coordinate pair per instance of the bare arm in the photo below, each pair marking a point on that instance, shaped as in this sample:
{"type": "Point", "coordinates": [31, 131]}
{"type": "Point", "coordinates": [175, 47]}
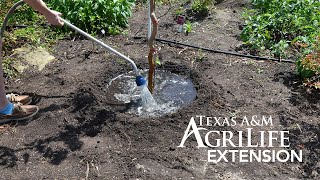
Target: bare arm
{"type": "Point", "coordinates": [41, 7]}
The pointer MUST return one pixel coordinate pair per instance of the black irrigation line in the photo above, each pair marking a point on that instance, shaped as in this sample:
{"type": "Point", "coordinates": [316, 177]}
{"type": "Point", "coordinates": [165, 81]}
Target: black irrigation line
{"type": "Point", "coordinates": [220, 51]}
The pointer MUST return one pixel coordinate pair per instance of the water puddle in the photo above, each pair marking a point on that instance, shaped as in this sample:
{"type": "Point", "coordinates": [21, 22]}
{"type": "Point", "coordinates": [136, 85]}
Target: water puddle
{"type": "Point", "coordinates": [171, 93]}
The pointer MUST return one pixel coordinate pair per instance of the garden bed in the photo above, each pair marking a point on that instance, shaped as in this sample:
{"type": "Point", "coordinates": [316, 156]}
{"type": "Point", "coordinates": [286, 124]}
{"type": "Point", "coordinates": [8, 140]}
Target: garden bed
{"type": "Point", "coordinates": [79, 133]}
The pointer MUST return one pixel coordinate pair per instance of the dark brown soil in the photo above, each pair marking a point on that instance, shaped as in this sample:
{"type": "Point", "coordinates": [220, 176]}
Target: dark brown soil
{"type": "Point", "coordinates": [78, 130]}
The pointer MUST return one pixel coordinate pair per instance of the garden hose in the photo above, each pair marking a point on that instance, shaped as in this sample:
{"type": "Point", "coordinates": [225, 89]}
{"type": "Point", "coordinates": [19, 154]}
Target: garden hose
{"type": "Point", "coordinates": [139, 79]}
{"type": "Point", "coordinates": [220, 51]}
{"type": "Point", "coordinates": [6, 19]}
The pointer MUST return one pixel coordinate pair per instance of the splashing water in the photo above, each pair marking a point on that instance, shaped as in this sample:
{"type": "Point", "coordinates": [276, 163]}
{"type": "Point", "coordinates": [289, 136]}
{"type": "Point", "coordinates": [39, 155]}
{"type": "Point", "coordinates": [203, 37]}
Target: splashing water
{"type": "Point", "coordinates": [147, 99]}
{"type": "Point", "coordinates": [171, 93]}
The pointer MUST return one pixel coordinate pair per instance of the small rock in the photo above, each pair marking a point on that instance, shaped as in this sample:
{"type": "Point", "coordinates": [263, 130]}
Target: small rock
{"type": "Point", "coordinates": [140, 167]}
{"type": "Point", "coordinates": [314, 174]}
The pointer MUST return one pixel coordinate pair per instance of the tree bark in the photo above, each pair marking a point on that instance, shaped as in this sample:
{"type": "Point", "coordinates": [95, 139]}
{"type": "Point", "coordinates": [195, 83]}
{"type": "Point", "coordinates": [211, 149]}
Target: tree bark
{"type": "Point", "coordinates": [152, 49]}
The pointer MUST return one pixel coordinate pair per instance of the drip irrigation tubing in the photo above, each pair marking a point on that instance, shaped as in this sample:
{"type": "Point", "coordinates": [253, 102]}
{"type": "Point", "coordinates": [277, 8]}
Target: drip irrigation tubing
{"type": "Point", "coordinates": [220, 51]}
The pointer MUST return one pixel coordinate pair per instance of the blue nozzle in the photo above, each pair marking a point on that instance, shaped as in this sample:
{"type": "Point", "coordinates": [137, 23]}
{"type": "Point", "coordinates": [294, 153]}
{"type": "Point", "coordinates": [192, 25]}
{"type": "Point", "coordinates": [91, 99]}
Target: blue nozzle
{"type": "Point", "coordinates": [140, 81]}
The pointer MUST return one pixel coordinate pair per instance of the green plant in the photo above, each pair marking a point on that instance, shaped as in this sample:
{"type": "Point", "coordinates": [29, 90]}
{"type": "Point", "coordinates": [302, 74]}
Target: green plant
{"type": "Point", "coordinates": [27, 35]}
{"type": "Point", "coordinates": [201, 6]}
{"type": "Point", "coordinates": [279, 24]}
{"type": "Point", "coordinates": [35, 35]}
{"type": "Point", "coordinates": [308, 66]}
{"type": "Point", "coordinates": [158, 61]}
{"type": "Point", "coordinates": [187, 27]}
{"type": "Point", "coordinates": [180, 11]}
{"type": "Point", "coordinates": [24, 15]}
{"type": "Point", "coordinates": [200, 56]}
{"type": "Point", "coordinates": [95, 15]}
{"type": "Point", "coordinates": [8, 70]}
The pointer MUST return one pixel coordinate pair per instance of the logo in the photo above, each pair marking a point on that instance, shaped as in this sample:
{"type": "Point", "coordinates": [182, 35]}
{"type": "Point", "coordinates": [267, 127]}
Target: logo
{"type": "Point", "coordinates": [248, 145]}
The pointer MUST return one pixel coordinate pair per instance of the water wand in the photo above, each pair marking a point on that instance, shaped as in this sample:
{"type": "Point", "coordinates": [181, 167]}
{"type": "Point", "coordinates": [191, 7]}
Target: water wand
{"type": "Point", "coordinates": [140, 81]}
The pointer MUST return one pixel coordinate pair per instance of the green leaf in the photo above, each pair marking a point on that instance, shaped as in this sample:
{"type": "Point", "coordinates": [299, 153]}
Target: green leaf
{"type": "Point", "coordinates": [158, 62]}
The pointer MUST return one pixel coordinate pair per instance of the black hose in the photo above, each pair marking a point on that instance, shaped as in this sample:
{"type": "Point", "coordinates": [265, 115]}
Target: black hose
{"type": "Point", "coordinates": [6, 19]}
{"type": "Point", "coordinates": [220, 51]}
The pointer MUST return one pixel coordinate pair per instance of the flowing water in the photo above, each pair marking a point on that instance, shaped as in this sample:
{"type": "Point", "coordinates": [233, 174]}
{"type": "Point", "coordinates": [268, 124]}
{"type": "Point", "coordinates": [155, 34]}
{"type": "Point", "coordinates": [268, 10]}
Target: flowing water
{"type": "Point", "coordinates": [171, 93]}
{"type": "Point", "coordinates": [147, 99]}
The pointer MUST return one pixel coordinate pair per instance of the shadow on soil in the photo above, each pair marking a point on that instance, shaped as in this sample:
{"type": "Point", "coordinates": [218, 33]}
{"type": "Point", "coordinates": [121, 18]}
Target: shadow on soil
{"type": "Point", "coordinates": [306, 100]}
{"type": "Point", "coordinates": [7, 157]}
{"type": "Point", "coordinates": [89, 121]}
{"type": "Point", "coordinates": [303, 135]}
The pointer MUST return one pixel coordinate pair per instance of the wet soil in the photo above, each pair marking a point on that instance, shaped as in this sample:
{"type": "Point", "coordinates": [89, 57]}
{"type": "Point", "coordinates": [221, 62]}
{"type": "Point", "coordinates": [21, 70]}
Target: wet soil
{"type": "Point", "coordinates": [79, 133]}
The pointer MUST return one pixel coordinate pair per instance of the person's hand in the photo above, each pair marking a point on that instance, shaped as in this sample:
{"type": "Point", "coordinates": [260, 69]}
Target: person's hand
{"type": "Point", "coordinates": [53, 17]}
